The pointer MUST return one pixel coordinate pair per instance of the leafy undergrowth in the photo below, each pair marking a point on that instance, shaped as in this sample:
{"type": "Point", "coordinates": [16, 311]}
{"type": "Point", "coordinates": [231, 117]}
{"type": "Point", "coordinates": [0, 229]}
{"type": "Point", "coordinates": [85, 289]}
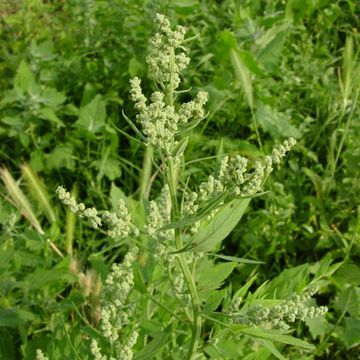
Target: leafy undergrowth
{"type": "Point", "coordinates": [272, 71]}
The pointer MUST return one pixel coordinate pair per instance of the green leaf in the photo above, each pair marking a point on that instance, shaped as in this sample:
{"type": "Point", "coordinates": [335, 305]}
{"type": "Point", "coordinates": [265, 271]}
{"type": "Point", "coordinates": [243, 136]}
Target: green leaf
{"type": "Point", "coordinates": [116, 194]}
{"type": "Point", "coordinates": [61, 157]}
{"type": "Point", "coordinates": [220, 226]}
{"type": "Point", "coordinates": [49, 114]}
{"type": "Point", "coordinates": [271, 45]}
{"type": "Point", "coordinates": [288, 282]}
{"type": "Point", "coordinates": [7, 349]}
{"type": "Point", "coordinates": [243, 76]}
{"type": "Point", "coordinates": [160, 340]}
{"type": "Point", "coordinates": [211, 299]}
{"type": "Point", "coordinates": [348, 274]}
{"type": "Point", "coordinates": [25, 79]}
{"type": "Point", "coordinates": [318, 326]}
{"type": "Point", "coordinates": [250, 62]}
{"type": "Point", "coordinates": [348, 302]}
{"type": "Point", "coordinates": [236, 259]}
{"type": "Point", "coordinates": [275, 123]}
{"type": "Point", "coordinates": [93, 115]}
{"type": "Point", "coordinates": [272, 335]}
{"type": "Point", "coordinates": [214, 277]}
{"type": "Point", "coordinates": [42, 277]}
{"type": "Point", "coordinates": [271, 347]}
{"type": "Point", "coordinates": [180, 147]}
{"type": "Point", "coordinates": [108, 166]}
{"type": "Point", "coordinates": [210, 206]}
{"type": "Point", "coordinates": [323, 268]}
{"type": "Point", "coordinates": [352, 332]}
{"type": "Point", "coordinates": [52, 98]}
{"type": "Point", "coordinates": [245, 288]}
{"type": "Point", "coordinates": [9, 317]}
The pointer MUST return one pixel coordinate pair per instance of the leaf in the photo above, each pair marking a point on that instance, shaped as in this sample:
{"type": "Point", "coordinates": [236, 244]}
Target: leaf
{"type": "Point", "coordinates": [211, 299]}
{"type": "Point", "coordinates": [276, 123]}
{"type": "Point", "coordinates": [236, 259]}
{"type": "Point", "coordinates": [116, 194]}
{"type": "Point", "coordinates": [25, 79]}
{"type": "Point", "coordinates": [348, 302]}
{"type": "Point", "coordinates": [43, 51]}
{"type": "Point", "coordinates": [9, 317]}
{"type": "Point", "coordinates": [93, 115]}
{"type": "Point", "coordinates": [61, 157]}
{"type": "Point", "coordinates": [210, 206]}
{"type": "Point", "coordinates": [42, 277]}
{"type": "Point", "coordinates": [348, 274]}
{"type": "Point", "coordinates": [51, 97]}
{"type": "Point", "coordinates": [245, 288]}
{"type": "Point", "coordinates": [323, 268]}
{"type": "Point", "coordinates": [7, 349]}
{"type": "Point", "coordinates": [352, 332]}
{"type": "Point", "coordinates": [49, 114]}
{"type": "Point", "coordinates": [180, 148]}
{"type": "Point", "coordinates": [160, 340]}
{"type": "Point", "coordinates": [271, 45]}
{"type": "Point", "coordinates": [221, 225]}
{"type": "Point", "coordinates": [272, 335]}
{"type": "Point", "coordinates": [108, 166]}
{"type": "Point", "coordinates": [318, 326]}
{"type": "Point", "coordinates": [250, 62]}
{"type": "Point", "coordinates": [213, 278]}
{"type": "Point", "coordinates": [271, 347]}
{"type": "Point", "coordinates": [243, 76]}
{"type": "Point", "coordinates": [288, 282]}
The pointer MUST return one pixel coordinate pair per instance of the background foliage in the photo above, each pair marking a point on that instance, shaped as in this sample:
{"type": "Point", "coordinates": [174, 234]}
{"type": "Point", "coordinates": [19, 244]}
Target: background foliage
{"type": "Point", "coordinates": [273, 70]}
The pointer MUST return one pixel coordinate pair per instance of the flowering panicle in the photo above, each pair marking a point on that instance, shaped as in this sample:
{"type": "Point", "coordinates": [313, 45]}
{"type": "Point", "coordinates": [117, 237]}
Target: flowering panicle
{"type": "Point", "coordinates": [125, 352]}
{"type": "Point", "coordinates": [154, 221]}
{"type": "Point", "coordinates": [165, 44]}
{"type": "Point", "coordinates": [158, 214]}
{"type": "Point", "coordinates": [279, 316]}
{"type": "Point", "coordinates": [235, 178]}
{"type": "Point", "coordinates": [114, 312]}
{"type": "Point", "coordinates": [118, 222]}
{"type": "Point", "coordinates": [160, 121]}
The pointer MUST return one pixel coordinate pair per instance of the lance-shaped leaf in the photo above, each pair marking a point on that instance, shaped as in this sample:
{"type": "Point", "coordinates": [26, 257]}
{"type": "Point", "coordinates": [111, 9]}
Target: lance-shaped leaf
{"type": "Point", "coordinates": [220, 226]}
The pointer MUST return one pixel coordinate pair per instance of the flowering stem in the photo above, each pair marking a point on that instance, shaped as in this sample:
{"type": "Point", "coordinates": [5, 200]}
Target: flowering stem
{"type": "Point", "coordinates": [175, 214]}
{"type": "Point", "coordinates": [196, 326]}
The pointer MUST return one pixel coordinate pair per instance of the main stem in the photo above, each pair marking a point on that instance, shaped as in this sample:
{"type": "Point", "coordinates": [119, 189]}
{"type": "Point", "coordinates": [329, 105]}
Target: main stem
{"type": "Point", "coordinates": [189, 279]}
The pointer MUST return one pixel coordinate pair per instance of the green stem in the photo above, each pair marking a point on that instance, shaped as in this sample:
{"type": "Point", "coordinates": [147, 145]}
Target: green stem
{"type": "Point", "coordinates": [172, 182]}
{"type": "Point", "coordinates": [189, 279]}
{"type": "Point", "coordinates": [146, 174]}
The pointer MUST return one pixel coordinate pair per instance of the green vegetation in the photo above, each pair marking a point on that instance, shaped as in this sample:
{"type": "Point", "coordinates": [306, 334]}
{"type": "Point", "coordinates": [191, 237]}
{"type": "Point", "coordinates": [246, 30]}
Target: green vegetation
{"type": "Point", "coordinates": [196, 251]}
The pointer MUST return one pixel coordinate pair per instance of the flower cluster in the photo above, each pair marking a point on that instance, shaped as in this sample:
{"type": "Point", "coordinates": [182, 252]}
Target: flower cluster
{"type": "Point", "coordinates": [160, 121]}
{"type": "Point", "coordinates": [279, 316]}
{"type": "Point", "coordinates": [118, 222]}
{"type": "Point", "coordinates": [158, 214]}
{"type": "Point", "coordinates": [125, 352]}
{"type": "Point", "coordinates": [40, 355]}
{"type": "Point", "coordinates": [235, 178]}
{"type": "Point", "coordinates": [165, 45]}
{"type": "Point", "coordinates": [114, 312]}
{"type": "Point", "coordinates": [89, 213]}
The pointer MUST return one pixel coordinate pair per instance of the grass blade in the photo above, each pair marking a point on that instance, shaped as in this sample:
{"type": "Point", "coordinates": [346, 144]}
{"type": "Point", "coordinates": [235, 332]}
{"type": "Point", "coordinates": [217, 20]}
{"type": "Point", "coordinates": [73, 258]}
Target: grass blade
{"type": "Point", "coordinates": [19, 199]}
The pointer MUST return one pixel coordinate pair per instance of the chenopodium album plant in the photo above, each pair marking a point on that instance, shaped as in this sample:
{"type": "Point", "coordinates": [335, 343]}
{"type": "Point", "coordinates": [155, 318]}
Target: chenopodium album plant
{"type": "Point", "coordinates": [163, 300]}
